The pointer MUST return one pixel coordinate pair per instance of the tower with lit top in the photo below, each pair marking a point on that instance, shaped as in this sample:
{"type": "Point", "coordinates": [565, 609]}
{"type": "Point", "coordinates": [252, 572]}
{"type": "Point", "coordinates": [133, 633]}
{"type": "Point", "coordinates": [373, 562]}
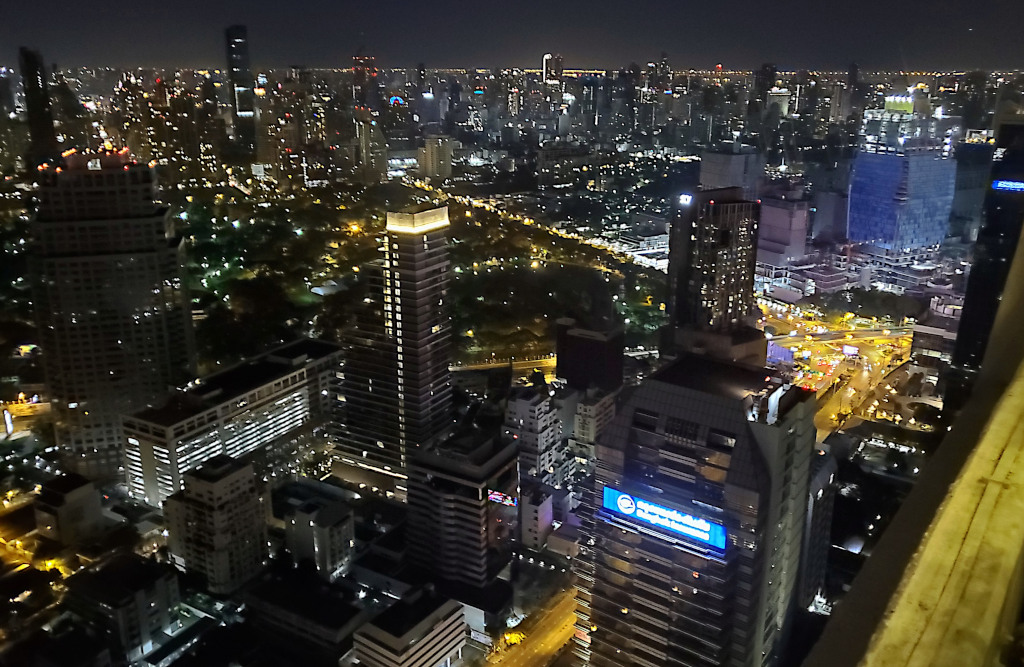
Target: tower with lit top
{"type": "Point", "coordinates": [397, 382]}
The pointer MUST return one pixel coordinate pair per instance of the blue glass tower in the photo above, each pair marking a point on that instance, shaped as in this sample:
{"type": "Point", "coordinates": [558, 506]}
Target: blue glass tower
{"type": "Point", "coordinates": [901, 202]}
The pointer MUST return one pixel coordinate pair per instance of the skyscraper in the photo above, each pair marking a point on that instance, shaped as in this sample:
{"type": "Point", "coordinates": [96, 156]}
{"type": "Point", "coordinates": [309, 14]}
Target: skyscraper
{"type": "Point", "coordinates": [365, 85]}
{"type": "Point", "coordinates": [462, 508]}
{"type": "Point", "coordinates": [42, 135]}
{"type": "Point", "coordinates": [901, 202]}
{"type": "Point", "coordinates": [113, 313]}
{"type": "Point", "coordinates": [712, 259]}
{"type": "Point", "coordinates": [216, 526]}
{"type": "Point", "coordinates": [397, 386]}
{"type": "Point", "coordinates": [372, 166]}
{"type": "Point", "coordinates": [435, 158]}
{"type": "Point", "coordinates": [532, 420]}
{"type": "Point", "coordinates": [590, 356]}
{"type": "Point", "coordinates": [694, 523]}
{"type": "Point", "coordinates": [1003, 218]}
{"type": "Point", "coordinates": [6, 92]}
{"type": "Point", "coordinates": [732, 164]}
{"type": "Point", "coordinates": [243, 105]}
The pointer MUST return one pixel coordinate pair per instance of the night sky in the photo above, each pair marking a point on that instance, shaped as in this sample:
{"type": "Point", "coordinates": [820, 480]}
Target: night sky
{"type": "Point", "coordinates": [897, 34]}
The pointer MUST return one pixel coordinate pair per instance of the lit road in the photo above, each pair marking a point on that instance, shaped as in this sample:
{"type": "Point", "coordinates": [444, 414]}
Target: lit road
{"type": "Point", "coordinates": [820, 362]}
{"type": "Point", "coordinates": [546, 633]}
{"type": "Point", "coordinates": [490, 206]}
{"type": "Point", "coordinates": [519, 366]}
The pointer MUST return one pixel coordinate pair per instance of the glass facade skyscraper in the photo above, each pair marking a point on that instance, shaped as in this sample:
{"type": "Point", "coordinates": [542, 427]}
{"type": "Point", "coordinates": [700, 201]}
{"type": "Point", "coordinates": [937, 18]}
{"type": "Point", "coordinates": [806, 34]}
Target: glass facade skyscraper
{"type": "Point", "coordinates": [1003, 218]}
{"type": "Point", "coordinates": [901, 202]}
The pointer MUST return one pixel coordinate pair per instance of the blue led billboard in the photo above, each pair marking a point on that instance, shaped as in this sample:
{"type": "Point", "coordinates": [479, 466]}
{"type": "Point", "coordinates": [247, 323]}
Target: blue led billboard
{"type": "Point", "coordinates": [1011, 186]}
{"type": "Point", "coordinates": [695, 528]}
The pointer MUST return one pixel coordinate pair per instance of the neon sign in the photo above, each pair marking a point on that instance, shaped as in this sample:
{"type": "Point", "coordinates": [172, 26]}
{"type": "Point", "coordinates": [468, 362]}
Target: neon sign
{"type": "Point", "coordinates": [1011, 186]}
{"type": "Point", "coordinates": [685, 200]}
{"type": "Point", "coordinates": [395, 99]}
{"type": "Point", "coordinates": [695, 528]}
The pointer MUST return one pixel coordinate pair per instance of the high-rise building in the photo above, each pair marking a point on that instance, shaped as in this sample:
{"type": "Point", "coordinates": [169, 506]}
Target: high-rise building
{"type": "Point", "coordinates": [112, 308]}
{"type": "Point", "coordinates": [593, 413]}
{"type": "Point", "coordinates": [732, 164]}
{"type": "Point", "coordinates": [7, 86]}
{"type": "Point", "coordinates": [712, 260]}
{"type": "Point", "coordinates": [421, 629]}
{"type": "Point", "coordinates": [764, 81]}
{"type": "Point", "coordinates": [1003, 218]}
{"type": "Point", "coordinates": [396, 389]}
{"type": "Point", "coordinates": [216, 526]}
{"type": "Point", "coordinates": [821, 499]}
{"type": "Point", "coordinates": [973, 168]}
{"type": "Point", "coordinates": [68, 510]}
{"type": "Point", "coordinates": [271, 404]}
{"type": "Point", "coordinates": [132, 601]}
{"type": "Point", "coordinates": [435, 158]}
{"type": "Point", "coordinates": [550, 68]}
{"type": "Point", "coordinates": [243, 96]}
{"type": "Point", "coordinates": [589, 357]}
{"type": "Point", "coordinates": [321, 531]}
{"type": "Point", "coordinates": [463, 497]}
{"type": "Point", "coordinates": [695, 519]}
{"type": "Point", "coordinates": [532, 421]}
{"type": "Point", "coordinates": [782, 233]}
{"type": "Point", "coordinates": [372, 164]}
{"type": "Point", "coordinates": [901, 202]}
{"type": "Point", "coordinates": [42, 134]}
{"type": "Point", "coordinates": [365, 82]}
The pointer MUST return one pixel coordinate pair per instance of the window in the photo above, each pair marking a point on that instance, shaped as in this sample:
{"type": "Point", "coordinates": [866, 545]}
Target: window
{"type": "Point", "coordinates": [645, 420]}
{"type": "Point", "coordinates": [681, 428]}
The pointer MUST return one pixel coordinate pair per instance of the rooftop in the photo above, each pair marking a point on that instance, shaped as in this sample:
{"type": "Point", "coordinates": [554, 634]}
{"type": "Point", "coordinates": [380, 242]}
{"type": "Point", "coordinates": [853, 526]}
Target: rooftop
{"type": "Point", "coordinates": [308, 597]}
{"type": "Point", "coordinates": [419, 219]}
{"type": "Point", "coordinates": [237, 381]}
{"type": "Point", "coordinates": [408, 612]}
{"type": "Point", "coordinates": [117, 581]}
{"type": "Point", "coordinates": [66, 483]}
{"type": "Point", "coordinates": [719, 378]}
{"type": "Point", "coordinates": [472, 446]}
{"type": "Point", "coordinates": [216, 468]}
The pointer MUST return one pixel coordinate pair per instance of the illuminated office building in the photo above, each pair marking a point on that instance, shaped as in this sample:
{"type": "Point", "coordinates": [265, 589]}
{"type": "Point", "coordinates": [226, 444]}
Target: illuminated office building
{"type": "Point", "coordinates": [711, 266]}
{"type": "Point", "coordinates": [396, 386]}
{"type": "Point", "coordinates": [243, 96]}
{"type": "Point", "coordinates": [694, 523]}
{"type": "Point", "coordinates": [901, 202]}
{"type": "Point", "coordinates": [532, 420]}
{"type": "Point", "coordinates": [270, 404]}
{"type": "Point", "coordinates": [113, 312]}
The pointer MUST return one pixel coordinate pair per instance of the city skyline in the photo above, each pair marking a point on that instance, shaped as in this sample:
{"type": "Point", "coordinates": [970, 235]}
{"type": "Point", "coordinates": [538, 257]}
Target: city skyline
{"type": "Point", "coordinates": [322, 353]}
{"type": "Point", "coordinates": [448, 35]}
